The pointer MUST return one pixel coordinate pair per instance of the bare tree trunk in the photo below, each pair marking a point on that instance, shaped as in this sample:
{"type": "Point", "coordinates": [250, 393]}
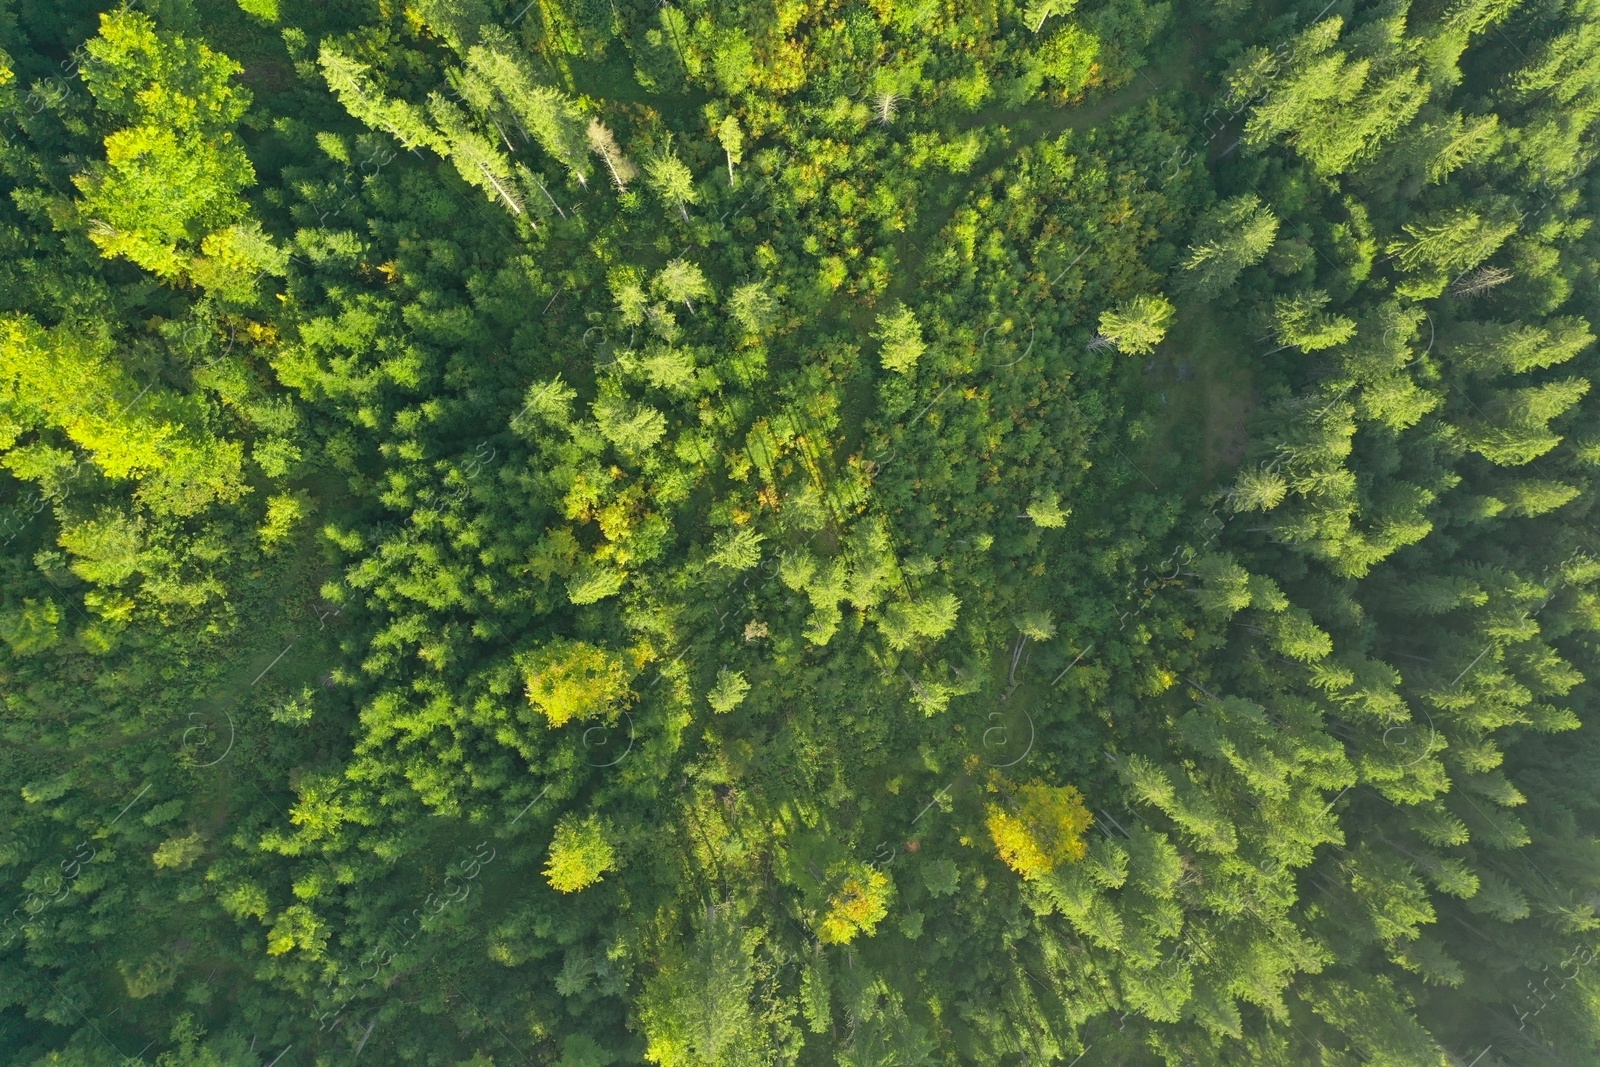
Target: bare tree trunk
{"type": "Point", "coordinates": [510, 200]}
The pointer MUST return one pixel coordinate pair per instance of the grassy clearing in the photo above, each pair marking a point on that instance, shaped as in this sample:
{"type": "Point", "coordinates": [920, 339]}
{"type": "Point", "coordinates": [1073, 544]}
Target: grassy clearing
{"type": "Point", "coordinates": [1199, 399]}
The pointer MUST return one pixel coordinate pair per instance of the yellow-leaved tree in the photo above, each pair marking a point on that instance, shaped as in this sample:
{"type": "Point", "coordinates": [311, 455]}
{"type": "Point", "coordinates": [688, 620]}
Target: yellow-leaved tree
{"type": "Point", "coordinates": [858, 904]}
{"type": "Point", "coordinates": [580, 854]}
{"type": "Point", "coordinates": [1043, 829]}
{"type": "Point", "coordinates": [576, 680]}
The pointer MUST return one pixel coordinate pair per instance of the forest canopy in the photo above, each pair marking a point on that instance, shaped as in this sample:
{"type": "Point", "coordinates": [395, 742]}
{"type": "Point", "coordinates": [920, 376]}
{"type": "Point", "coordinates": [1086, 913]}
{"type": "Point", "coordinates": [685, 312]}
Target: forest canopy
{"type": "Point", "coordinates": [712, 533]}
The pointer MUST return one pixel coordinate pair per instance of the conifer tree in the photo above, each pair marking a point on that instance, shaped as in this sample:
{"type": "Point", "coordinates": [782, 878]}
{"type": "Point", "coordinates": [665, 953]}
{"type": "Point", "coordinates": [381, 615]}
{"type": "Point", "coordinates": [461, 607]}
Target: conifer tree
{"type": "Point", "coordinates": [1138, 325]}
{"type": "Point", "coordinates": [672, 181]}
{"type": "Point", "coordinates": [351, 82]}
{"type": "Point", "coordinates": [1233, 235]}
{"type": "Point", "coordinates": [553, 120]}
{"type": "Point", "coordinates": [476, 157]}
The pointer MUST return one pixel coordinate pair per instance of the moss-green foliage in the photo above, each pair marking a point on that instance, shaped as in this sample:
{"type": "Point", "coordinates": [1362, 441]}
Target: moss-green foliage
{"type": "Point", "coordinates": [528, 532]}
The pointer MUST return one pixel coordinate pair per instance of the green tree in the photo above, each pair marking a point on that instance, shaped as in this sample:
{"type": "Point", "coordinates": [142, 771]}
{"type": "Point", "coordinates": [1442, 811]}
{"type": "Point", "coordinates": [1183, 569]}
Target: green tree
{"type": "Point", "coordinates": [1443, 146]}
{"type": "Point", "coordinates": [459, 22]}
{"type": "Point", "coordinates": [928, 617]}
{"type": "Point", "coordinates": [729, 692]}
{"type": "Point", "coordinates": [1037, 11]}
{"type": "Point", "coordinates": [1258, 490]}
{"type": "Point", "coordinates": [699, 1007]}
{"type": "Point", "coordinates": [732, 59]}
{"type": "Point", "coordinates": [1334, 107]}
{"type": "Point", "coordinates": [569, 680]}
{"type": "Point", "coordinates": [682, 280]}
{"type": "Point", "coordinates": [1493, 348]}
{"type": "Point", "coordinates": [1046, 511]}
{"type": "Point", "coordinates": [1452, 241]}
{"type": "Point", "coordinates": [1512, 426]}
{"type": "Point", "coordinates": [632, 427]}
{"type": "Point", "coordinates": [35, 627]}
{"type": "Point", "coordinates": [169, 192]}
{"type": "Point", "coordinates": [672, 181]}
{"type": "Point", "coordinates": [67, 378]}
{"type": "Point", "coordinates": [900, 335]}
{"type": "Point", "coordinates": [580, 854]}
{"type": "Point", "coordinates": [1226, 585]}
{"type": "Point", "coordinates": [754, 308]}
{"type": "Point", "coordinates": [477, 158]}
{"type": "Point", "coordinates": [737, 549]}
{"type": "Point", "coordinates": [1138, 325]}
{"type": "Point", "coordinates": [1301, 323]}
{"type": "Point", "coordinates": [497, 72]}
{"type": "Point", "coordinates": [351, 82]}
{"type": "Point", "coordinates": [1233, 235]}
